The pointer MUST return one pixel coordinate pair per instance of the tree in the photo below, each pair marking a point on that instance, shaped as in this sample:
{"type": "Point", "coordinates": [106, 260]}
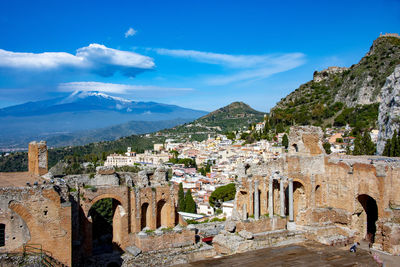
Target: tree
{"type": "Point", "coordinates": [181, 198]}
{"type": "Point", "coordinates": [279, 128]}
{"type": "Point", "coordinates": [392, 146]}
{"type": "Point", "coordinates": [190, 205]}
{"type": "Point", "coordinates": [363, 145]}
{"type": "Point", "coordinates": [285, 141]}
{"type": "Point", "coordinates": [221, 194]}
{"type": "Point", "coordinates": [369, 146]}
{"type": "Point", "coordinates": [327, 148]}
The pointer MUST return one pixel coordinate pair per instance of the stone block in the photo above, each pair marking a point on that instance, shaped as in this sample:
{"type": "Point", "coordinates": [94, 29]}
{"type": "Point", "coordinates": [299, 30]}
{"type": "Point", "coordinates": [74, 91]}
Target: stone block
{"type": "Point", "coordinates": [246, 234]}
{"type": "Point", "coordinates": [230, 226]}
{"type": "Point", "coordinates": [105, 170]}
{"type": "Point", "coordinates": [133, 250]}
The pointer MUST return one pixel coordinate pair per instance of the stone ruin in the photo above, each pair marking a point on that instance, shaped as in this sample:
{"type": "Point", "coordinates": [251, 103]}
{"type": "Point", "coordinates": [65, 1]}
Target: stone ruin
{"type": "Point", "coordinates": [53, 212]}
{"type": "Point", "coordinates": [332, 199]}
{"type": "Point", "coordinates": [304, 195]}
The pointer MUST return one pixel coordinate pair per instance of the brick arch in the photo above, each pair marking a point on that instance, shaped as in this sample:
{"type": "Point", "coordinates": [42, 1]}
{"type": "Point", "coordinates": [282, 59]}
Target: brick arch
{"type": "Point", "coordinates": [103, 196]}
{"type": "Point", "coordinates": [23, 212]}
{"type": "Point", "coordinates": [25, 216]}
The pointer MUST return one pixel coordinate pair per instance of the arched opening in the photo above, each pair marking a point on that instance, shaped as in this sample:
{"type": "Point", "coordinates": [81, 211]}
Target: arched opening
{"type": "Point", "coordinates": [318, 196]}
{"type": "Point", "coordinates": [144, 214]}
{"type": "Point", "coordinates": [162, 214]}
{"type": "Point", "coordinates": [371, 210]}
{"type": "Point", "coordinates": [103, 218]}
{"type": "Point", "coordinates": [299, 199]}
{"type": "Point", "coordinates": [296, 149]}
{"type": "Point", "coordinates": [2, 235]}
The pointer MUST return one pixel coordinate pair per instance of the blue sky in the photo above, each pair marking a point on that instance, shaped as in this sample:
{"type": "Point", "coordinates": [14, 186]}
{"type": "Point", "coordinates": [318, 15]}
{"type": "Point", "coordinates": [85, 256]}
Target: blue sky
{"type": "Point", "coordinates": [197, 54]}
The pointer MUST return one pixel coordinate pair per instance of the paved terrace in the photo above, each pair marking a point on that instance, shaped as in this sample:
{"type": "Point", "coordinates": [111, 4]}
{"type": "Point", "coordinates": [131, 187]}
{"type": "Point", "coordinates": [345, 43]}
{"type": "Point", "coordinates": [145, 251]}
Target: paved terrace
{"type": "Point", "coordinates": [307, 254]}
{"type": "Point", "coordinates": [17, 179]}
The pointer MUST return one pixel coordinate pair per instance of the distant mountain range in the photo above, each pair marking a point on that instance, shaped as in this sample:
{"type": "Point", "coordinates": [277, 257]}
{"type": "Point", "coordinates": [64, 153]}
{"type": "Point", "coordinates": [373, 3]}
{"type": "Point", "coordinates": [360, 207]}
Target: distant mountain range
{"type": "Point", "coordinates": [235, 116]}
{"type": "Point", "coordinates": [84, 117]}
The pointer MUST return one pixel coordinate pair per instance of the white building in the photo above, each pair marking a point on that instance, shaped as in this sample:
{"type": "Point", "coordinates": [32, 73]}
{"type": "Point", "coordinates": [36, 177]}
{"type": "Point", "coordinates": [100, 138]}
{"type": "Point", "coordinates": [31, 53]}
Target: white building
{"type": "Point", "coordinates": [205, 208]}
{"type": "Point", "coordinates": [227, 208]}
{"type": "Point", "coordinates": [130, 158]}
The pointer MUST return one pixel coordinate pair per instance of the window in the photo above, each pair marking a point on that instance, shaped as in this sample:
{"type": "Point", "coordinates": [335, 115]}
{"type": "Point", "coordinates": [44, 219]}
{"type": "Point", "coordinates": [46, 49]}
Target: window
{"type": "Point", "coordinates": [2, 235]}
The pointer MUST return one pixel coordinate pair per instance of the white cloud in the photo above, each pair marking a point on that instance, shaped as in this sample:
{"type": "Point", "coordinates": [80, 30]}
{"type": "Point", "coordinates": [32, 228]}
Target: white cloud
{"type": "Point", "coordinates": [116, 88]}
{"type": "Point", "coordinates": [252, 66]}
{"type": "Point", "coordinates": [232, 61]}
{"type": "Point", "coordinates": [130, 32]}
{"type": "Point", "coordinates": [94, 58]}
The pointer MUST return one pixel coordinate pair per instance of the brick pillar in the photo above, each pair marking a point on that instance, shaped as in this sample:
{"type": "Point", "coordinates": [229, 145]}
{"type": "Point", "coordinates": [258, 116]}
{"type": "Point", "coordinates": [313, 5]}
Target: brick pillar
{"type": "Point", "coordinates": [37, 158]}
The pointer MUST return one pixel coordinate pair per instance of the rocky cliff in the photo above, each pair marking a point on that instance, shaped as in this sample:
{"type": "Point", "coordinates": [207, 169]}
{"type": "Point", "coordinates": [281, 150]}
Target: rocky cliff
{"type": "Point", "coordinates": [389, 109]}
{"type": "Point", "coordinates": [332, 91]}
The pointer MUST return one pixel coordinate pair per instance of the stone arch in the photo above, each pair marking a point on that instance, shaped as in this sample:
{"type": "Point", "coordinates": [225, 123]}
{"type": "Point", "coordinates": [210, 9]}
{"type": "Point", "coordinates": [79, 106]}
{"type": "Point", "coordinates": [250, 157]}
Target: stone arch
{"type": "Point", "coordinates": [368, 219]}
{"type": "Point", "coordinates": [106, 224]}
{"type": "Point", "coordinates": [295, 148]}
{"type": "Point", "coordinates": [162, 214]}
{"type": "Point", "coordinates": [26, 223]}
{"type": "Point", "coordinates": [144, 216]}
{"type": "Point", "coordinates": [103, 196]}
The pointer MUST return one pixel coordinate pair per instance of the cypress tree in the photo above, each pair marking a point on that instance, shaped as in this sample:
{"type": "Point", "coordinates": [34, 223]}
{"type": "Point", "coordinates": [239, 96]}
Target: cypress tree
{"type": "Point", "coordinates": [386, 150]}
{"type": "Point", "coordinates": [190, 205]}
{"type": "Point", "coordinates": [367, 144]}
{"type": "Point", "coordinates": [285, 141]}
{"type": "Point", "coordinates": [181, 198]}
{"type": "Point", "coordinates": [357, 146]}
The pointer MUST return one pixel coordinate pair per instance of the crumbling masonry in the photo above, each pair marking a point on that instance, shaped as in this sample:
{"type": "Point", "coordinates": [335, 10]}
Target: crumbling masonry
{"type": "Point", "coordinates": [354, 197]}
{"type": "Point", "coordinates": [305, 194]}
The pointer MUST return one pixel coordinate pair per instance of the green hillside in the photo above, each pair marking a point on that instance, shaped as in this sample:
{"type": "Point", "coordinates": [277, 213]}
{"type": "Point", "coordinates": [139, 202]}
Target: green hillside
{"type": "Point", "coordinates": [235, 116]}
{"type": "Point", "coordinates": [338, 96]}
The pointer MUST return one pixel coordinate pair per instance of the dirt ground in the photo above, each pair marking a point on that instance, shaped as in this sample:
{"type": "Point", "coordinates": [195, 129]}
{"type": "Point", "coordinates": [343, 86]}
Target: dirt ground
{"type": "Point", "coordinates": [306, 254]}
{"type": "Point", "coordinates": [11, 179]}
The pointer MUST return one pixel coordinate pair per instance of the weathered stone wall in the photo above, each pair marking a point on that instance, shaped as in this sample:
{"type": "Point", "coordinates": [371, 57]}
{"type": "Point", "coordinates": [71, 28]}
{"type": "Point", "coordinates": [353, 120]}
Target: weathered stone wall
{"type": "Point", "coordinates": [169, 239]}
{"type": "Point", "coordinates": [329, 189]}
{"type": "Point", "coordinates": [37, 216]}
{"type": "Point", "coordinates": [262, 225]}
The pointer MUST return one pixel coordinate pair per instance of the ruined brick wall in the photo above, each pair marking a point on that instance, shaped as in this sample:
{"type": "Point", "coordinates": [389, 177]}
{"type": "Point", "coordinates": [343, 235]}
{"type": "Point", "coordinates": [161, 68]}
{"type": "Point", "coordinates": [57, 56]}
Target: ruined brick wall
{"type": "Point", "coordinates": [330, 189]}
{"type": "Point", "coordinates": [169, 239]}
{"type": "Point", "coordinates": [154, 207]}
{"type": "Point", "coordinates": [262, 225]}
{"type": "Point", "coordinates": [37, 216]}
{"type": "Point", "coordinates": [16, 230]}
{"type": "Point", "coordinates": [37, 158]}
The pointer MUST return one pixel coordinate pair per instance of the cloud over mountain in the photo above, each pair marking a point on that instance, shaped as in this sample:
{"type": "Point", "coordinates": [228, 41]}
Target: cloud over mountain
{"type": "Point", "coordinates": [95, 58]}
{"type": "Point", "coordinates": [117, 88]}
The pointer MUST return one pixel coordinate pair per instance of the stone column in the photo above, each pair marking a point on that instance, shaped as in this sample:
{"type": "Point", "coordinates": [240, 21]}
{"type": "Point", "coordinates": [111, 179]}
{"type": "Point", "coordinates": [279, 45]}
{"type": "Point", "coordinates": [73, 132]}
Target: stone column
{"type": "Point", "coordinates": [256, 201]}
{"type": "Point", "coordinates": [291, 217]}
{"type": "Point", "coordinates": [271, 197]}
{"type": "Point", "coordinates": [282, 196]}
{"type": "Point", "coordinates": [244, 212]}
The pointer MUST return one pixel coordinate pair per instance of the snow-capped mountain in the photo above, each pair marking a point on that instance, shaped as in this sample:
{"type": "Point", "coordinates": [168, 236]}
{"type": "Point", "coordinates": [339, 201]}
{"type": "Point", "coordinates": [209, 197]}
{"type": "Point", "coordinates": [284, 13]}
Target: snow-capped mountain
{"type": "Point", "coordinates": [82, 111]}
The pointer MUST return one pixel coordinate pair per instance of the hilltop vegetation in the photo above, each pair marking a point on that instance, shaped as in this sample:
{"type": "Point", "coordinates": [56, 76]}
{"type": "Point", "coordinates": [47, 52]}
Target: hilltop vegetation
{"type": "Point", "coordinates": [340, 96]}
{"type": "Point", "coordinates": [232, 117]}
